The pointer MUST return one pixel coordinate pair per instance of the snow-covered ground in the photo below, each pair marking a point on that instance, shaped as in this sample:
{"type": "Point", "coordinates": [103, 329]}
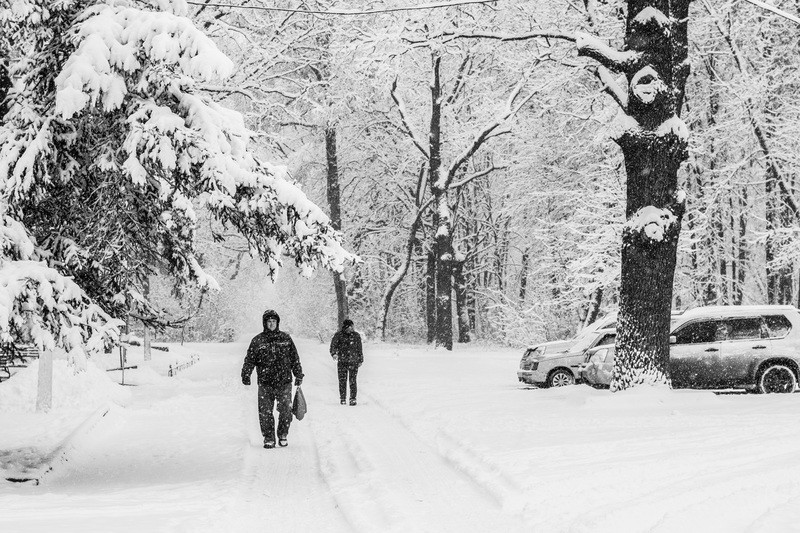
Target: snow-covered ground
{"type": "Point", "coordinates": [439, 442]}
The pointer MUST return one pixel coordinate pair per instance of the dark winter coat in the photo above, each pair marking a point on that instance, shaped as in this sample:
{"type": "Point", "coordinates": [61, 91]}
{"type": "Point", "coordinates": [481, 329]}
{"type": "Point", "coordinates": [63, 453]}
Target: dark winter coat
{"type": "Point", "coordinates": [346, 345]}
{"type": "Point", "coordinates": [273, 355]}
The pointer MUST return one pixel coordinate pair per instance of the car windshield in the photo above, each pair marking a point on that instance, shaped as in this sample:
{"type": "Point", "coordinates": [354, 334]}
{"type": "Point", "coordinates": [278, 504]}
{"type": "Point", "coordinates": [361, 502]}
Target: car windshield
{"type": "Point", "coordinates": [585, 341]}
{"type": "Point", "coordinates": [533, 352]}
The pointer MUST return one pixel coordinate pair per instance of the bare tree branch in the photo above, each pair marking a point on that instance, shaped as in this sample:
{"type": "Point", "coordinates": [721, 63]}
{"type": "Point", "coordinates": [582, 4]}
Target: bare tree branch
{"type": "Point", "coordinates": [401, 108]}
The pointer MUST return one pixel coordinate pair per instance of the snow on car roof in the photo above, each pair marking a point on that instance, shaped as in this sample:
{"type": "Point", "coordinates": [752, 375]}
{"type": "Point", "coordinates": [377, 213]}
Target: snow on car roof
{"type": "Point", "coordinates": [734, 310]}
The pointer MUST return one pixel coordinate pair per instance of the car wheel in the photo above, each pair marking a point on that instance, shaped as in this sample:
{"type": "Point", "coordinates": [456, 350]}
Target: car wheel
{"type": "Point", "coordinates": [776, 378]}
{"type": "Point", "coordinates": [561, 378]}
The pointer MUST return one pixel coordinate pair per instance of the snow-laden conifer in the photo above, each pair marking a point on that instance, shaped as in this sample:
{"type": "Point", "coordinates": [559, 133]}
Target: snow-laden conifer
{"type": "Point", "coordinates": [108, 150]}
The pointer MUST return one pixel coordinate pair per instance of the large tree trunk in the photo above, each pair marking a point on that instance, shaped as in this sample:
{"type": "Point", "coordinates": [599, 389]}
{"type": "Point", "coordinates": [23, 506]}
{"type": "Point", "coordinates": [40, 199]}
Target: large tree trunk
{"type": "Point", "coordinates": [442, 222]}
{"type": "Point", "coordinates": [335, 204]}
{"type": "Point", "coordinates": [654, 146]}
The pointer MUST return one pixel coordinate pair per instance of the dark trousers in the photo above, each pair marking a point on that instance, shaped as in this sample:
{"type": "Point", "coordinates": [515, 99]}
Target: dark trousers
{"type": "Point", "coordinates": [267, 396]}
{"type": "Point", "coordinates": [345, 370]}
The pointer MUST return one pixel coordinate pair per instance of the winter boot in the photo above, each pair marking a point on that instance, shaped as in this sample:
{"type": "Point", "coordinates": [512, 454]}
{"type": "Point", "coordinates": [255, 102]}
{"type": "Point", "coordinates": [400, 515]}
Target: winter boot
{"type": "Point", "coordinates": [342, 401]}
{"type": "Point", "coordinates": [352, 401]}
{"type": "Point", "coordinates": [282, 442]}
{"type": "Point", "coordinates": [269, 444]}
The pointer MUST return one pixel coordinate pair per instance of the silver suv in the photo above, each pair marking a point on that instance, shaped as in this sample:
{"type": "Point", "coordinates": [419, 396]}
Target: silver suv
{"type": "Point", "coordinates": [556, 364]}
{"type": "Point", "coordinates": [755, 347]}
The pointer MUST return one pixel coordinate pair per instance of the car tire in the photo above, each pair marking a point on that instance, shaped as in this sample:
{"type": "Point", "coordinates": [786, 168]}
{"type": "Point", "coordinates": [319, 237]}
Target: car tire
{"type": "Point", "coordinates": [560, 378]}
{"type": "Point", "coordinates": [776, 378]}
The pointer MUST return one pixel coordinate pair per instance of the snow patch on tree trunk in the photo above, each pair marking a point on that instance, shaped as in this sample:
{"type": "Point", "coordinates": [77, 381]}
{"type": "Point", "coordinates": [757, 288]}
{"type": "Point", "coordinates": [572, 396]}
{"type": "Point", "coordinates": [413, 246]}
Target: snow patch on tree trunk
{"type": "Point", "coordinates": [652, 222]}
{"type": "Point", "coordinates": [674, 126]}
{"type": "Point", "coordinates": [651, 14]}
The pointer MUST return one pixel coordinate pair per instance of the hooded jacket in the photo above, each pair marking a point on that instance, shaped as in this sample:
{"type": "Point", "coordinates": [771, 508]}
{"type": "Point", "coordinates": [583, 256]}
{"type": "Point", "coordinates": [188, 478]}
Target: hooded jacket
{"type": "Point", "coordinates": [346, 346]}
{"type": "Point", "coordinates": [273, 355]}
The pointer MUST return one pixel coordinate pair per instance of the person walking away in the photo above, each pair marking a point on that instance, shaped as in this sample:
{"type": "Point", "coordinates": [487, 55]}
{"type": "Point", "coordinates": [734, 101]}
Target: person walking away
{"type": "Point", "coordinates": [347, 352]}
{"type": "Point", "coordinates": [274, 356]}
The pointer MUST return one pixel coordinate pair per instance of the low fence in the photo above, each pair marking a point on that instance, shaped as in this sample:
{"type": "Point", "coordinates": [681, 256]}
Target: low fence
{"type": "Point", "coordinates": [177, 367]}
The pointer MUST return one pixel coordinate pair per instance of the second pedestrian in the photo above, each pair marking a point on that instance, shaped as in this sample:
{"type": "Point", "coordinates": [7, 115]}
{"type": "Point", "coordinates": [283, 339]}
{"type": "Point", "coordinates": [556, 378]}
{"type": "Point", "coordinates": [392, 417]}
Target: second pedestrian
{"type": "Point", "coordinates": [347, 352]}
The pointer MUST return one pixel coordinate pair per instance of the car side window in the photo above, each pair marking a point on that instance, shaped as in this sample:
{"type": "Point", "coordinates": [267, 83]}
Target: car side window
{"type": "Point", "coordinates": [696, 332]}
{"type": "Point", "coordinates": [744, 328]}
{"type": "Point", "coordinates": [778, 326]}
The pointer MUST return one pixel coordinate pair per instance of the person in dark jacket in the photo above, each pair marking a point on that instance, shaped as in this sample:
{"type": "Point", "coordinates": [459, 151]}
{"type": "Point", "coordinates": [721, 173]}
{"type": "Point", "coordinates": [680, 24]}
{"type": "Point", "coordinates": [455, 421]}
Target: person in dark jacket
{"type": "Point", "coordinates": [346, 351]}
{"type": "Point", "coordinates": [274, 356]}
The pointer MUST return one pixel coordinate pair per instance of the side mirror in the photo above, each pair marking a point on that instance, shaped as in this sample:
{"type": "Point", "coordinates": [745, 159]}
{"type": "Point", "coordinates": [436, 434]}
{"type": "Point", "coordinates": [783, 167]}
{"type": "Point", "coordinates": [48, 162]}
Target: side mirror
{"type": "Point", "coordinates": [673, 339]}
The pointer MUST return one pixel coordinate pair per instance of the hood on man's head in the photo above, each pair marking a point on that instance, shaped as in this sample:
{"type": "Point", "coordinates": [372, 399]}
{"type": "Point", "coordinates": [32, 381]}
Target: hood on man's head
{"type": "Point", "coordinates": [269, 313]}
{"type": "Point", "coordinates": [347, 322]}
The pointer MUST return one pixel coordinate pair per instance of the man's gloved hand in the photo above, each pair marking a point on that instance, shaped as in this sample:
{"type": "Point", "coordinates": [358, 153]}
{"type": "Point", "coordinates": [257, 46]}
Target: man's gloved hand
{"type": "Point", "coordinates": [245, 380]}
{"type": "Point", "coordinates": [298, 382]}
{"type": "Point", "coordinates": [335, 356]}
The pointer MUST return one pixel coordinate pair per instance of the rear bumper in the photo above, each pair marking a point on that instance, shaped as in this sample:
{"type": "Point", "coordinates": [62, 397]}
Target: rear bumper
{"type": "Point", "coordinates": [527, 376]}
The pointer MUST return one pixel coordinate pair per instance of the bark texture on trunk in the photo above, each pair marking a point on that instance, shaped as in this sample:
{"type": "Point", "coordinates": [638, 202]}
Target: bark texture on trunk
{"type": "Point", "coordinates": [335, 204]}
{"type": "Point", "coordinates": [654, 144]}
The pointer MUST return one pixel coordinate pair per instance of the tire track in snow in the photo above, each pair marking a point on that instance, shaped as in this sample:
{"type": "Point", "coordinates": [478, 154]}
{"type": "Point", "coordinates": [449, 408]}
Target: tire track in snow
{"type": "Point", "coordinates": [489, 478]}
{"type": "Point", "coordinates": [388, 477]}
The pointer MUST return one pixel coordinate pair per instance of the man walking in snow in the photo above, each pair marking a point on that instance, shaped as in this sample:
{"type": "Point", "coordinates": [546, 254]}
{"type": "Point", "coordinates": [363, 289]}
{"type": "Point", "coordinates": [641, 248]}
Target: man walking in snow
{"type": "Point", "coordinates": [274, 356]}
{"type": "Point", "coordinates": [346, 351]}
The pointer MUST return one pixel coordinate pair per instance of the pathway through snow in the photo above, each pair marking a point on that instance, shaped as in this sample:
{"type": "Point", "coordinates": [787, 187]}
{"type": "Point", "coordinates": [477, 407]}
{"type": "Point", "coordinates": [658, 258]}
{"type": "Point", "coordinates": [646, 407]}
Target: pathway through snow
{"type": "Point", "coordinates": [186, 455]}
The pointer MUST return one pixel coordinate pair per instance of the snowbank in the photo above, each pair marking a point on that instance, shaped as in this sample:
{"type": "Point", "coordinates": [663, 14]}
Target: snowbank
{"type": "Point", "coordinates": [83, 390]}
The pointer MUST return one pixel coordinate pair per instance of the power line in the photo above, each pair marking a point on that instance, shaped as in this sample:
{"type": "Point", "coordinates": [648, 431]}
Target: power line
{"type": "Point", "coordinates": [349, 12]}
{"type": "Point", "coordinates": [775, 10]}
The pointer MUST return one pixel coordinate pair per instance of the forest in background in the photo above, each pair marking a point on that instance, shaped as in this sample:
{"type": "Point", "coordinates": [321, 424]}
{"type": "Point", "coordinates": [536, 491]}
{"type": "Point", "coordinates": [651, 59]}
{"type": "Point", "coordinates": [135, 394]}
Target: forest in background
{"type": "Point", "coordinates": [538, 201]}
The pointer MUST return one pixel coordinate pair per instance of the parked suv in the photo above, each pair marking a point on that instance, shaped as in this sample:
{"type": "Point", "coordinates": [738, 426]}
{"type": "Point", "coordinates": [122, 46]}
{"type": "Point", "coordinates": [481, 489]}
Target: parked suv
{"type": "Point", "coordinates": [752, 347]}
{"type": "Point", "coordinates": [551, 368]}
{"type": "Point", "coordinates": [532, 356]}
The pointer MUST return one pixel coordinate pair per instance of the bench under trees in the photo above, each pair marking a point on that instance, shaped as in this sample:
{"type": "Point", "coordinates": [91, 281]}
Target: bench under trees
{"type": "Point", "coordinates": [15, 356]}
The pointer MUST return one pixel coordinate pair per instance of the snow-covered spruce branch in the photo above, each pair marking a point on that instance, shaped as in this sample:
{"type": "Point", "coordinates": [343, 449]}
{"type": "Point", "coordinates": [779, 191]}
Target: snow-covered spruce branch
{"type": "Point", "coordinates": [401, 109]}
{"type": "Point", "coordinates": [39, 304]}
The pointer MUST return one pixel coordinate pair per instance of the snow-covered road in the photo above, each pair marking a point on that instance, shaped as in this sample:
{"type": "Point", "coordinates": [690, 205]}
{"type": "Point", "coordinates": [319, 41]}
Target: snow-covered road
{"type": "Point", "coordinates": [439, 442]}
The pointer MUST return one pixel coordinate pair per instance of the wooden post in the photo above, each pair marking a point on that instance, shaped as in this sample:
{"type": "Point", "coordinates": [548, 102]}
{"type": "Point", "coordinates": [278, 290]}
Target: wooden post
{"type": "Point", "coordinates": [44, 396]}
{"type": "Point", "coordinates": [146, 344]}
